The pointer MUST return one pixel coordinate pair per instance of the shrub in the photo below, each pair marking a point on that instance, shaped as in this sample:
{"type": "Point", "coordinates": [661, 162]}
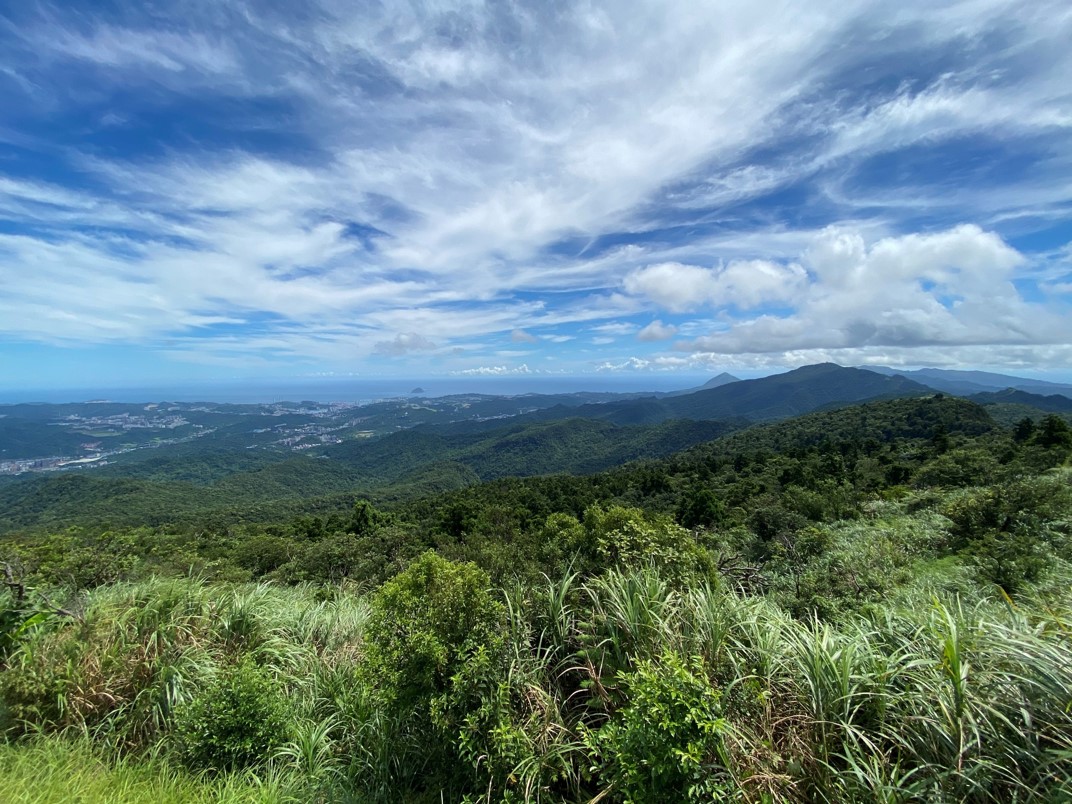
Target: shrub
{"type": "Point", "coordinates": [425, 624]}
{"type": "Point", "coordinates": [237, 722]}
{"type": "Point", "coordinates": [434, 650]}
{"type": "Point", "coordinates": [666, 744]}
{"type": "Point", "coordinates": [631, 538]}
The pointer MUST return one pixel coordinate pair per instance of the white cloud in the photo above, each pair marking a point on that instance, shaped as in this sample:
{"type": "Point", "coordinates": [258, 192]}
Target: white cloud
{"type": "Point", "coordinates": [744, 284]}
{"type": "Point", "coordinates": [950, 288]}
{"type": "Point", "coordinates": [615, 328]}
{"type": "Point", "coordinates": [495, 153]}
{"type": "Point", "coordinates": [124, 48]}
{"type": "Point", "coordinates": [494, 371]}
{"type": "Point", "coordinates": [657, 331]}
{"type": "Point", "coordinates": [631, 364]}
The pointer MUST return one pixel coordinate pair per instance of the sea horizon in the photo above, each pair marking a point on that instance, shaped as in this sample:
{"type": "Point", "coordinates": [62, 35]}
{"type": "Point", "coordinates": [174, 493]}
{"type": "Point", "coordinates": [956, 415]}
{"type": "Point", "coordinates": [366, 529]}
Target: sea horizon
{"type": "Point", "coordinates": [355, 390]}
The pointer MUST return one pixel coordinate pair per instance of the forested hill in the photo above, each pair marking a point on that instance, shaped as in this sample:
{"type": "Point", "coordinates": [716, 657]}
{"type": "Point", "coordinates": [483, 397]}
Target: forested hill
{"type": "Point", "coordinates": [219, 473]}
{"type": "Point", "coordinates": [1051, 403]}
{"type": "Point", "coordinates": [264, 486]}
{"type": "Point", "coordinates": [795, 392]}
{"type": "Point", "coordinates": [239, 469]}
{"type": "Point", "coordinates": [417, 463]}
{"type": "Point", "coordinates": [778, 396]}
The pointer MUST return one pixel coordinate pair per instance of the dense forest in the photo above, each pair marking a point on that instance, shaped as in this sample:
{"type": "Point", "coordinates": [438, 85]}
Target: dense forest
{"type": "Point", "coordinates": [867, 603]}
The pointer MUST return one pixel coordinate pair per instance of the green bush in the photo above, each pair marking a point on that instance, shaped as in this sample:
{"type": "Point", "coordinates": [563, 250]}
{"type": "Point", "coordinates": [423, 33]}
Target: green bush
{"type": "Point", "coordinates": [666, 744]}
{"type": "Point", "coordinates": [632, 538]}
{"type": "Point", "coordinates": [434, 650]}
{"type": "Point", "coordinates": [236, 722]}
{"type": "Point", "coordinates": [1010, 531]}
{"type": "Point", "coordinates": [425, 624]}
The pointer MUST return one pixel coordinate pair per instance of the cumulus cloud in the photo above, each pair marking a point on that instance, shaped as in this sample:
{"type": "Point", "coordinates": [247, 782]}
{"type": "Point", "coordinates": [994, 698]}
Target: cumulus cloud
{"type": "Point", "coordinates": [948, 288]}
{"type": "Point", "coordinates": [657, 331]}
{"type": "Point", "coordinates": [631, 364]}
{"type": "Point", "coordinates": [494, 371]}
{"type": "Point", "coordinates": [744, 284]}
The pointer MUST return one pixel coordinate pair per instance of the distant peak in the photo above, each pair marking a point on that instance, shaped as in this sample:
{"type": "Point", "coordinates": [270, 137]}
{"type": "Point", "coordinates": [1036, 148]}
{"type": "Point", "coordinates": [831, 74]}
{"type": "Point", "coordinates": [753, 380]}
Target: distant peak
{"type": "Point", "coordinates": [724, 378]}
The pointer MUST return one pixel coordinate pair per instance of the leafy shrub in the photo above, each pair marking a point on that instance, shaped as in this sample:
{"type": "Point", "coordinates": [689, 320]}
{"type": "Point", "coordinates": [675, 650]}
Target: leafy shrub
{"type": "Point", "coordinates": [237, 722]}
{"type": "Point", "coordinates": [1010, 560]}
{"type": "Point", "coordinates": [1010, 531]}
{"type": "Point", "coordinates": [425, 624]}
{"type": "Point", "coordinates": [629, 537]}
{"type": "Point", "coordinates": [563, 539]}
{"type": "Point", "coordinates": [263, 554]}
{"type": "Point", "coordinates": [434, 650]}
{"type": "Point", "coordinates": [957, 468]}
{"type": "Point", "coordinates": [667, 743]}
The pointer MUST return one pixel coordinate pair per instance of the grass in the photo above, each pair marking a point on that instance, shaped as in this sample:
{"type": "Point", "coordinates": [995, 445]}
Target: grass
{"type": "Point", "coordinates": [929, 695]}
{"type": "Point", "coordinates": [58, 771]}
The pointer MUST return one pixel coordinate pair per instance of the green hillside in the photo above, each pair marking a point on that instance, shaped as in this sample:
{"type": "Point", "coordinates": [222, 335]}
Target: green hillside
{"type": "Point", "coordinates": [865, 603]}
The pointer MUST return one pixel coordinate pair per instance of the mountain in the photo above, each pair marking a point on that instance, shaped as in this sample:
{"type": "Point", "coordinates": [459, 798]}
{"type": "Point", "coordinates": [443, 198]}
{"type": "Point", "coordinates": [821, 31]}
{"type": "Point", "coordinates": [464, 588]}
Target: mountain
{"type": "Point", "coordinates": [1052, 403]}
{"type": "Point", "coordinates": [791, 394]}
{"type": "Point", "coordinates": [776, 397]}
{"type": "Point", "coordinates": [406, 464]}
{"type": "Point", "coordinates": [574, 445]}
{"type": "Point", "coordinates": [714, 382]}
{"type": "Point", "coordinates": [966, 383]}
{"type": "Point", "coordinates": [219, 472]}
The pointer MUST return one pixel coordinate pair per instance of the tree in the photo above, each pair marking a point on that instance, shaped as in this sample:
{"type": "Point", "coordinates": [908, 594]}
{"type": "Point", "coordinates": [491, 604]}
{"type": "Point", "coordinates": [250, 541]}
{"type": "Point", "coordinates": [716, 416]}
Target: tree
{"type": "Point", "coordinates": [1054, 432]}
{"type": "Point", "coordinates": [1025, 428]}
{"type": "Point", "coordinates": [701, 508]}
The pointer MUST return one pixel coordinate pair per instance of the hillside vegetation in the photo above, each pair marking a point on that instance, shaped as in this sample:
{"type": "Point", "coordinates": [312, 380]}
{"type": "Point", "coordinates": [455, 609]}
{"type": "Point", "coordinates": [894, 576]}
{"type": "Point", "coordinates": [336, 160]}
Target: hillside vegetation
{"type": "Point", "coordinates": [864, 604]}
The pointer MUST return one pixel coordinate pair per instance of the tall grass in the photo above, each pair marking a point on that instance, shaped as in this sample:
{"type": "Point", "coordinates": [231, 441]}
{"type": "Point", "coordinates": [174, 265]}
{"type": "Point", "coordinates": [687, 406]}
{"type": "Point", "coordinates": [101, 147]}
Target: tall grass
{"type": "Point", "coordinates": [929, 697]}
{"type": "Point", "coordinates": [54, 771]}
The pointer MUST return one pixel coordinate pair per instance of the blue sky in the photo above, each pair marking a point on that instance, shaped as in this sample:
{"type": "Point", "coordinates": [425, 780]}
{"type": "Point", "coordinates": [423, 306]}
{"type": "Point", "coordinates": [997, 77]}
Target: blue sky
{"type": "Point", "coordinates": [224, 189]}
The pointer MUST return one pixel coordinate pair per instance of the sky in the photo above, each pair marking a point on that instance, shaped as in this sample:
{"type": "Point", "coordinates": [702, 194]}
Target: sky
{"type": "Point", "coordinates": [237, 189]}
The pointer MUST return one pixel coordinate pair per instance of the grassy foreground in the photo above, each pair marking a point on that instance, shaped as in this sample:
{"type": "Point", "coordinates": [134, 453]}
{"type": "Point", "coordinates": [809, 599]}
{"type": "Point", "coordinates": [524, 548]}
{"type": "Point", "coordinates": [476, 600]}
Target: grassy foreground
{"type": "Point", "coordinates": [626, 685]}
{"type": "Point", "coordinates": [805, 626]}
{"type": "Point", "coordinates": [58, 771]}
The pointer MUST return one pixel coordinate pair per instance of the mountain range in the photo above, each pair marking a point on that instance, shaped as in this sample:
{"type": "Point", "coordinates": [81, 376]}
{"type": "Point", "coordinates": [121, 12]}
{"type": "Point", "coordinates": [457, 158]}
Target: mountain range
{"type": "Point", "coordinates": [407, 449]}
{"type": "Point", "coordinates": [966, 383]}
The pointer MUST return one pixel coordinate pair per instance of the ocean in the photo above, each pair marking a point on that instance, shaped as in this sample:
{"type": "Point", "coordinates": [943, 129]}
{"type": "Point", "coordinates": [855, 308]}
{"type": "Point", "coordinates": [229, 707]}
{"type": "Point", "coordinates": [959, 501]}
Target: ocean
{"type": "Point", "coordinates": [359, 389]}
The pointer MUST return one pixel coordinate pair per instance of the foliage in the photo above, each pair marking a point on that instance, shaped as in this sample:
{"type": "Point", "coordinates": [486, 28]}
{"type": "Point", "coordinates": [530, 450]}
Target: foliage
{"type": "Point", "coordinates": [425, 624]}
{"type": "Point", "coordinates": [433, 651]}
{"type": "Point", "coordinates": [864, 604]}
{"type": "Point", "coordinates": [234, 723]}
{"type": "Point", "coordinates": [54, 771]}
{"type": "Point", "coordinates": [628, 537]}
{"type": "Point", "coordinates": [667, 743]}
